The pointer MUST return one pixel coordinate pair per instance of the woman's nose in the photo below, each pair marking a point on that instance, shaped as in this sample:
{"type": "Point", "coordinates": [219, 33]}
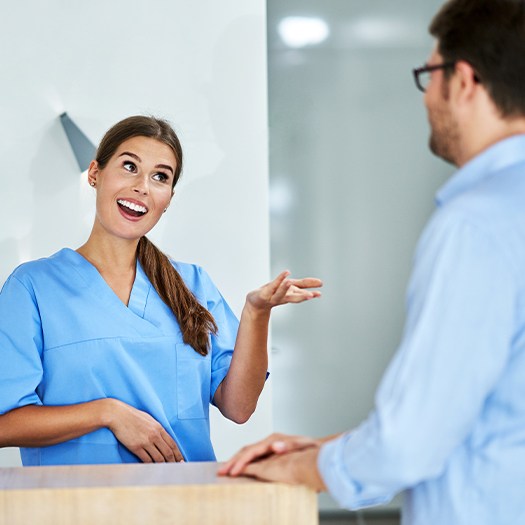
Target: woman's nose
{"type": "Point", "coordinates": [141, 186]}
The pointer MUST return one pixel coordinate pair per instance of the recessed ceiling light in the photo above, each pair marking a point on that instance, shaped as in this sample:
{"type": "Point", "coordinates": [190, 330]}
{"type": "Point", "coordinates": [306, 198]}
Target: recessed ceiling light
{"type": "Point", "coordinates": [300, 31]}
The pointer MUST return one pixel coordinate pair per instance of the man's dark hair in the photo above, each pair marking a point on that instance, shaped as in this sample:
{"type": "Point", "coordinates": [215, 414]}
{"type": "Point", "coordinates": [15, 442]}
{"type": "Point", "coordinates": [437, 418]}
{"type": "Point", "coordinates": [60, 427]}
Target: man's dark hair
{"type": "Point", "coordinates": [490, 36]}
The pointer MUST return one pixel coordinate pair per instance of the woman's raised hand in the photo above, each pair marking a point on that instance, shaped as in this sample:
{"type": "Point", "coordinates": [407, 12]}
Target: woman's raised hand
{"type": "Point", "coordinates": [237, 395]}
{"type": "Point", "coordinates": [283, 290]}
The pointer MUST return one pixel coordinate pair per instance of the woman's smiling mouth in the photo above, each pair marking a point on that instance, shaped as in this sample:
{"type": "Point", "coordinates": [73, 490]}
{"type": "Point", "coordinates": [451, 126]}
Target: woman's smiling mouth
{"type": "Point", "coordinates": [132, 208]}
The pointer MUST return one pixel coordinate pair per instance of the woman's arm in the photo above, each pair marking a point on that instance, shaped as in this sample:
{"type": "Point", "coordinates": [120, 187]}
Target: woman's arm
{"type": "Point", "coordinates": [237, 395]}
{"type": "Point", "coordinates": [32, 425]}
{"type": "Point", "coordinates": [39, 426]}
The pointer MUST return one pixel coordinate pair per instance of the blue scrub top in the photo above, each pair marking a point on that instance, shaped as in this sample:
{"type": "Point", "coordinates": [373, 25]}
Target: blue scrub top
{"type": "Point", "coordinates": [66, 338]}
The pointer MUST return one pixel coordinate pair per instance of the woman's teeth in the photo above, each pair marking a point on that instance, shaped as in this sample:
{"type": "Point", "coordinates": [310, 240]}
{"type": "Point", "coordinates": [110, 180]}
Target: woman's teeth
{"type": "Point", "coordinates": [132, 206]}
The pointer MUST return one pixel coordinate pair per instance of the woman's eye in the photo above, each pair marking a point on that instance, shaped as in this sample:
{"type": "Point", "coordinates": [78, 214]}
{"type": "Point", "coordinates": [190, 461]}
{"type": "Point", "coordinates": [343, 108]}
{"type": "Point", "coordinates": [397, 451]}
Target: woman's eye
{"type": "Point", "coordinates": [161, 177]}
{"type": "Point", "coordinates": [129, 166]}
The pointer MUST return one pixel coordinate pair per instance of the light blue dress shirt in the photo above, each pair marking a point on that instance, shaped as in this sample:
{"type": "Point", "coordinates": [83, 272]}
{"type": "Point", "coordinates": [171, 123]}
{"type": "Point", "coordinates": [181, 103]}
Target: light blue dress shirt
{"type": "Point", "coordinates": [66, 338]}
{"type": "Point", "coordinates": [449, 417]}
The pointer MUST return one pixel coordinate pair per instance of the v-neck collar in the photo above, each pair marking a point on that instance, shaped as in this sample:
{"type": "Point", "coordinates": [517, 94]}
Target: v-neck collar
{"type": "Point", "coordinates": [138, 297]}
{"type": "Point", "coordinates": [91, 276]}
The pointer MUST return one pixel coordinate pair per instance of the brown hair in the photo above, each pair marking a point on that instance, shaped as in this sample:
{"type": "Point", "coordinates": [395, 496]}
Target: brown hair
{"type": "Point", "coordinates": [490, 36]}
{"type": "Point", "coordinates": [195, 321]}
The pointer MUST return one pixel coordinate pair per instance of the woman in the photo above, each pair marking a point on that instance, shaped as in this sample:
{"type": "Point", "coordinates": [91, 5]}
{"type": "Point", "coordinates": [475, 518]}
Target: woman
{"type": "Point", "coordinates": [112, 353]}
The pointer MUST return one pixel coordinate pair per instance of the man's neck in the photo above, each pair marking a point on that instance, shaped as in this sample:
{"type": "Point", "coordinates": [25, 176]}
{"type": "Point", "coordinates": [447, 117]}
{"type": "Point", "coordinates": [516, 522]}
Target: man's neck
{"type": "Point", "coordinates": [496, 131]}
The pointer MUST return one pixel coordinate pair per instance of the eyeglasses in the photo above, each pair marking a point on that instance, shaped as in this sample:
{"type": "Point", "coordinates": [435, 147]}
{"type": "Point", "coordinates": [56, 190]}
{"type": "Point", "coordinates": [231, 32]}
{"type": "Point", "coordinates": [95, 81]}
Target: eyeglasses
{"type": "Point", "coordinates": [422, 74]}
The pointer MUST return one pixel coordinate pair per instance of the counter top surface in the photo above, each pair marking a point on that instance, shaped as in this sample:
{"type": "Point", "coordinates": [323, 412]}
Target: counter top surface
{"type": "Point", "coordinates": [121, 475]}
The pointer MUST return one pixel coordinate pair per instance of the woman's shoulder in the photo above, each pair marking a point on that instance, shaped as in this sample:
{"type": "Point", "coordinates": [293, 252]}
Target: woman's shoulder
{"type": "Point", "coordinates": [187, 269]}
{"type": "Point", "coordinates": [193, 275]}
{"type": "Point", "coordinates": [43, 266]}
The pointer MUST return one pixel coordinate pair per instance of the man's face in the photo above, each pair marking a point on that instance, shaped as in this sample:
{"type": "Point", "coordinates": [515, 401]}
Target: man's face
{"type": "Point", "coordinates": [444, 130]}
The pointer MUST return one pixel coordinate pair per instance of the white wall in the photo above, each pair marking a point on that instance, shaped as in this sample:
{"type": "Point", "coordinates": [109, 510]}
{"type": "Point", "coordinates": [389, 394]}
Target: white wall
{"type": "Point", "coordinates": [201, 65]}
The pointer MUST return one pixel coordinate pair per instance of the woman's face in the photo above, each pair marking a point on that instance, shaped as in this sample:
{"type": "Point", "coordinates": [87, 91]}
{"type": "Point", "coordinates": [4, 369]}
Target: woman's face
{"type": "Point", "coordinates": [134, 188]}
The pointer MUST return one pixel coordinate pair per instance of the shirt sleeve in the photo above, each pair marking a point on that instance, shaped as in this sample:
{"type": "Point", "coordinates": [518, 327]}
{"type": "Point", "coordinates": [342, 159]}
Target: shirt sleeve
{"type": "Point", "coordinates": [457, 340]}
{"type": "Point", "coordinates": [20, 347]}
{"type": "Point", "coordinates": [222, 343]}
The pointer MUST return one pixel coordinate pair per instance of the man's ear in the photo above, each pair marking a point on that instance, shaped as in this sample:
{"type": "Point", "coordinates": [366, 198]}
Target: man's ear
{"type": "Point", "coordinates": [467, 80]}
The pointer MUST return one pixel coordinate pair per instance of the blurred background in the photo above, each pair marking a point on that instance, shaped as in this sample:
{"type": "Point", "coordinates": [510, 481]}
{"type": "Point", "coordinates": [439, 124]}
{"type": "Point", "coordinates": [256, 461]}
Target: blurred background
{"type": "Point", "coordinates": [352, 183]}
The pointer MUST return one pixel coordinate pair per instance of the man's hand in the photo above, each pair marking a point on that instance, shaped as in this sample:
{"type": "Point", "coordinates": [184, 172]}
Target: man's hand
{"type": "Point", "coordinates": [298, 468]}
{"type": "Point", "coordinates": [288, 459]}
{"type": "Point", "coordinates": [274, 444]}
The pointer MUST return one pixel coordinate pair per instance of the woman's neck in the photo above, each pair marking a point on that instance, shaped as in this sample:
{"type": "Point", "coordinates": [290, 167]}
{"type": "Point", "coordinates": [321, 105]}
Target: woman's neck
{"type": "Point", "coordinates": [115, 260]}
{"type": "Point", "coordinates": [110, 255]}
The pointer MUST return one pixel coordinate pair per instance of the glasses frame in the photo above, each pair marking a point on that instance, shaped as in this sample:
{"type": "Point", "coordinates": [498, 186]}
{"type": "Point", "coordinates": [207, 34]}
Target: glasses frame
{"type": "Point", "coordinates": [428, 69]}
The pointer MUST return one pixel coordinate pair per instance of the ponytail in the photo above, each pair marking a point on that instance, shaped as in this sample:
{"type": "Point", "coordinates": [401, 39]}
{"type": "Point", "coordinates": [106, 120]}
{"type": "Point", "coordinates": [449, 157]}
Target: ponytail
{"type": "Point", "coordinates": [195, 321]}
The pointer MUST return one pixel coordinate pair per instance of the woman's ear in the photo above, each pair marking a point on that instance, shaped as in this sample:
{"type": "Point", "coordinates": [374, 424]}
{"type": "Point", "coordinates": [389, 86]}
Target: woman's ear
{"type": "Point", "coordinates": [168, 205]}
{"type": "Point", "coordinates": [93, 173]}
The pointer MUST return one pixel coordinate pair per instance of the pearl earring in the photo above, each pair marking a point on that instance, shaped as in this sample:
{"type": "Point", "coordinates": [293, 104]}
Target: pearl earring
{"type": "Point", "coordinates": [92, 183]}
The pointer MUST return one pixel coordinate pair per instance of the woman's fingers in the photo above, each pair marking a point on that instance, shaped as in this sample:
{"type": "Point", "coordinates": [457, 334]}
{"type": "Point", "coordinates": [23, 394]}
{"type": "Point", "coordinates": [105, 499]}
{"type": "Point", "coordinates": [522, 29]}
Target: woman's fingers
{"type": "Point", "coordinates": [283, 290]}
{"type": "Point", "coordinates": [274, 285]}
{"type": "Point", "coordinates": [168, 449]}
{"type": "Point", "coordinates": [307, 282]}
{"type": "Point", "coordinates": [145, 437]}
{"type": "Point", "coordinates": [143, 455]}
{"type": "Point", "coordinates": [296, 291]}
{"type": "Point", "coordinates": [155, 454]}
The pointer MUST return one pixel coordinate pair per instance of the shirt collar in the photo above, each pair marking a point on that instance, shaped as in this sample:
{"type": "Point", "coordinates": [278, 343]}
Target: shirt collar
{"type": "Point", "coordinates": [501, 155]}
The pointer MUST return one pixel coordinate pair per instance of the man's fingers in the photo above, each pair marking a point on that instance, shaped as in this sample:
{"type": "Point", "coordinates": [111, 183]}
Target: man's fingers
{"type": "Point", "coordinates": [272, 445]}
{"type": "Point", "coordinates": [236, 464]}
{"type": "Point", "coordinates": [254, 453]}
{"type": "Point", "coordinates": [251, 470]}
{"type": "Point", "coordinates": [265, 470]}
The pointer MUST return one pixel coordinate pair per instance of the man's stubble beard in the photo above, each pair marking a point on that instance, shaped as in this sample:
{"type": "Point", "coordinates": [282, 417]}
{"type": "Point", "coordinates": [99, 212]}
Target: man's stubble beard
{"type": "Point", "coordinates": [444, 130]}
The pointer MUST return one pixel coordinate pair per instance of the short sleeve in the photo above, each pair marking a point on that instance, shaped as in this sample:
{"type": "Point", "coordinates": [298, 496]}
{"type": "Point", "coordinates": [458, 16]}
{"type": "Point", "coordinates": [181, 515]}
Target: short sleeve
{"type": "Point", "coordinates": [20, 346]}
{"type": "Point", "coordinates": [222, 343]}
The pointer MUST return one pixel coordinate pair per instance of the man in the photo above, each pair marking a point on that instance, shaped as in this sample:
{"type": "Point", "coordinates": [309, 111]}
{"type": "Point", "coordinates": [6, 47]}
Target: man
{"type": "Point", "coordinates": [449, 419]}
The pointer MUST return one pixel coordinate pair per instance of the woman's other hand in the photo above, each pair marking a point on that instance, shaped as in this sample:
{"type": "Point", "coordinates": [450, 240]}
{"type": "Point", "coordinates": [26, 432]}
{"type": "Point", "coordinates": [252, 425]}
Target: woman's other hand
{"type": "Point", "coordinates": [141, 434]}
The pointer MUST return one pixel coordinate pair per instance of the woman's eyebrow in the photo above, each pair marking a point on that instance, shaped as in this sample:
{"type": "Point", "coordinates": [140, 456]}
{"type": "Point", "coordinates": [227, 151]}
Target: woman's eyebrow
{"type": "Point", "coordinates": [133, 155]}
{"type": "Point", "coordinates": [165, 166]}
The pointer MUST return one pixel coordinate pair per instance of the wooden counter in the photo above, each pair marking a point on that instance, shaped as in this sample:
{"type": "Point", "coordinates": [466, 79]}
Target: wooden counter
{"type": "Point", "coordinates": [153, 494]}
